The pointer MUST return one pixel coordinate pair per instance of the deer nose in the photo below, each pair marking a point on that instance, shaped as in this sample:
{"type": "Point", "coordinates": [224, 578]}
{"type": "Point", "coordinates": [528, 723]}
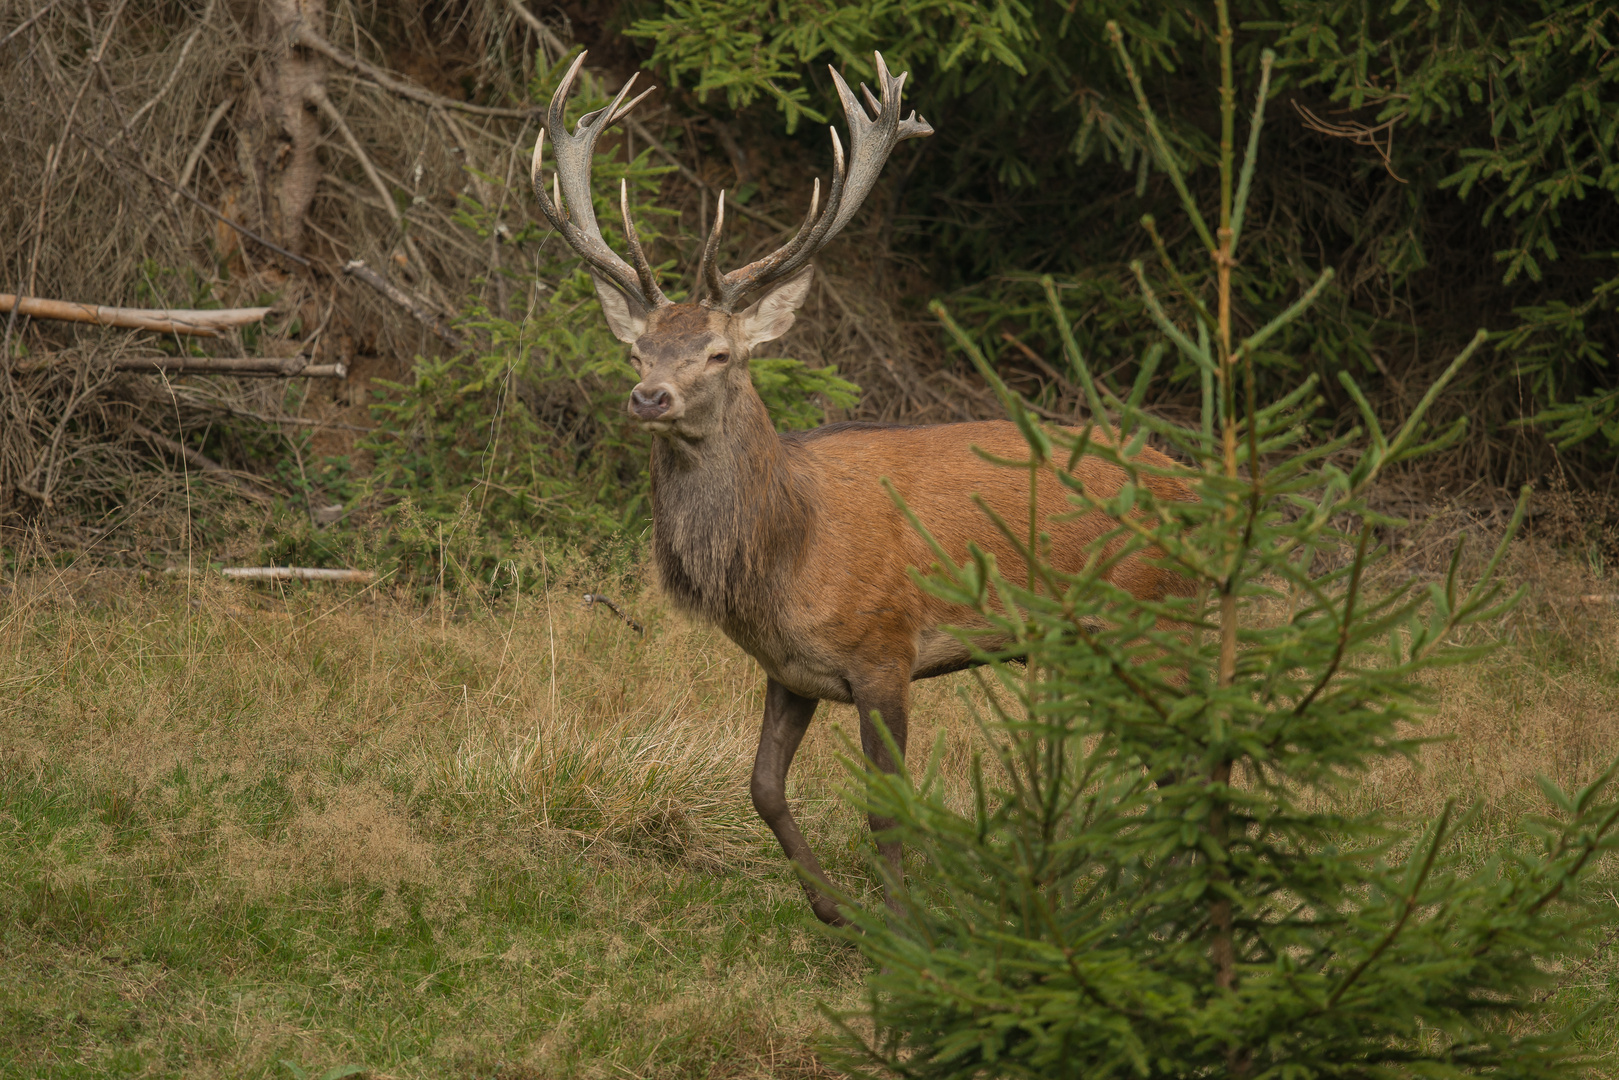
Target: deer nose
{"type": "Point", "coordinates": [649, 404]}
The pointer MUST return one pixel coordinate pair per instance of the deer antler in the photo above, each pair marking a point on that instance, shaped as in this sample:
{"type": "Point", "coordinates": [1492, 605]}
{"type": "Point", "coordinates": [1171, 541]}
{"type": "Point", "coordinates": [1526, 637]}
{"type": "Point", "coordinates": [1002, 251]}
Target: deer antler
{"type": "Point", "coordinates": [870, 143]}
{"type": "Point", "coordinates": [568, 206]}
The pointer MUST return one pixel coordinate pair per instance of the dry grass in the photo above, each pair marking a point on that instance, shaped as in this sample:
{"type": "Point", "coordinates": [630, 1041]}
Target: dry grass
{"type": "Point", "coordinates": [317, 811]}
{"type": "Point", "coordinates": [239, 826]}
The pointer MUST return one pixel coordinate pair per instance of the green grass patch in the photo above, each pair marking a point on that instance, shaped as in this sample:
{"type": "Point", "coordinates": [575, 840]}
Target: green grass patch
{"type": "Point", "coordinates": [239, 829]}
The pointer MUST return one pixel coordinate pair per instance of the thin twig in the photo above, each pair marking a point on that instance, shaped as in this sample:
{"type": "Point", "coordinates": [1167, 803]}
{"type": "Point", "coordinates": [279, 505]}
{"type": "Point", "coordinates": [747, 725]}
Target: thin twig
{"type": "Point", "coordinates": [193, 158]}
{"type": "Point", "coordinates": [204, 207]}
{"type": "Point", "coordinates": [30, 21]}
{"type": "Point", "coordinates": [598, 598]}
{"type": "Point", "coordinates": [196, 458]}
{"type": "Point", "coordinates": [1357, 133]}
{"type": "Point", "coordinates": [406, 300]}
{"type": "Point", "coordinates": [306, 36]}
{"type": "Point", "coordinates": [53, 157]}
{"type": "Point", "coordinates": [553, 44]}
{"type": "Point", "coordinates": [174, 74]}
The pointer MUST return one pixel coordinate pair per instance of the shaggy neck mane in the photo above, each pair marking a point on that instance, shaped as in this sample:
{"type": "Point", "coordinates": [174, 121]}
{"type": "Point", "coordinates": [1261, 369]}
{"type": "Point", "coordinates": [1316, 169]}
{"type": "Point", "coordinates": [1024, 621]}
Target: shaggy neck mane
{"type": "Point", "coordinates": [730, 514]}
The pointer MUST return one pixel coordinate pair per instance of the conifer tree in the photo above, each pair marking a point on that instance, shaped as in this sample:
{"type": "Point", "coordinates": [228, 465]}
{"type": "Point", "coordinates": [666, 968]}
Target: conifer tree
{"type": "Point", "coordinates": [1158, 877]}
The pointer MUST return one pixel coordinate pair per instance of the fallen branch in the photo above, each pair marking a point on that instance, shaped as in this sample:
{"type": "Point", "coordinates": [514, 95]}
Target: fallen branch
{"type": "Point", "coordinates": [197, 323]}
{"type": "Point", "coordinates": [270, 367]}
{"type": "Point", "coordinates": [293, 367]}
{"type": "Point", "coordinates": [307, 37]}
{"type": "Point", "coordinates": [408, 301]}
{"type": "Point", "coordinates": [598, 598]}
{"type": "Point", "coordinates": [295, 573]}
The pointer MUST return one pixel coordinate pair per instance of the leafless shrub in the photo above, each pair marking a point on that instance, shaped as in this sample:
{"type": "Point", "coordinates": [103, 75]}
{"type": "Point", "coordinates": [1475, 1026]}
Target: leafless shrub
{"type": "Point", "coordinates": [154, 162]}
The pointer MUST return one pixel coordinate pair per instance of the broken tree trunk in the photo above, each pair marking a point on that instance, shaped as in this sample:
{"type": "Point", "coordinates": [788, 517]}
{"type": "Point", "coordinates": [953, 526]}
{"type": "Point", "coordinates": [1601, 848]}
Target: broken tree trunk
{"type": "Point", "coordinates": [282, 132]}
{"type": "Point", "coordinates": [163, 321]}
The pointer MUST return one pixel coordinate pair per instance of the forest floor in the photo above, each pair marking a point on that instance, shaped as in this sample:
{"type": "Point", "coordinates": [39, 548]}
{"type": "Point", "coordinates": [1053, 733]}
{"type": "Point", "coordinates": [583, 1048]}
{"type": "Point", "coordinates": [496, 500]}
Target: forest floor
{"type": "Point", "coordinates": [250, 832]}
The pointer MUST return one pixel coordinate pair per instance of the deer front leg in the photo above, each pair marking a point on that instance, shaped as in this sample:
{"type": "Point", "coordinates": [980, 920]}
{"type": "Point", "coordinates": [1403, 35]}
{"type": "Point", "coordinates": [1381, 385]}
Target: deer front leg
{"type": "Point", "coordinates": [787, 717]}
{"type": "Point", "coordinates": [890, 698]}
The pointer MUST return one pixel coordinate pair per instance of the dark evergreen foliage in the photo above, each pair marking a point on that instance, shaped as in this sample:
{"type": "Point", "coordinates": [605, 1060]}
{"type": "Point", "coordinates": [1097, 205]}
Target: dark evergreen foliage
{"type": "Point", "coordinates": [1157, 876]}
{"type": "Point", "coordinates": [1454, 162]}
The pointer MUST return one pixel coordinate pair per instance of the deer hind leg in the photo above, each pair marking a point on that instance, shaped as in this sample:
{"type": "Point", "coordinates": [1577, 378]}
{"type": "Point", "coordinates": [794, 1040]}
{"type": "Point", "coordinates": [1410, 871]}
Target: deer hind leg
{"type": "Point", "coordinates": [787, 717]}
{"type": "Point", "coordinates": [890, 699]}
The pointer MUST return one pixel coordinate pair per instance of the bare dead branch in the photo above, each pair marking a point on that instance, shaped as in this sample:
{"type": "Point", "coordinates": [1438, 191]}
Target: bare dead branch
{"type": "Point", "coordinates": [295, 573]}
{"type": "Point", "coordinates": [307, 37]}
{"type": "Point", "coordinates": [264, 366]}
{"type": "Point", "coordinates": [554, 46]}
{"type": "Point", "coordinates": [274, 367]}
{"type": "Point", "coordinates": [406, 300]}
{"type": "Point", "coordinates": [175, 321]}
{"type": "Point", "coordinates": [1357, 133]}
{"type": "Point", "coordinates": [598, 598]}
{"type": "Point", "coordinates": [199, 147]}
{"type": "Point", "coordinates": [197, 459]}
{"type": "Point", "coordinates": [204, 207]}
{"type": "Point", "coordinates": [30, 21]}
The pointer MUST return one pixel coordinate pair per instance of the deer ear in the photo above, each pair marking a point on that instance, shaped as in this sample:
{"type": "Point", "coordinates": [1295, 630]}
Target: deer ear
{"type": "Point", "coordinates": [772, 315]}
{"type": "Point", "coordinates": [626, 318]}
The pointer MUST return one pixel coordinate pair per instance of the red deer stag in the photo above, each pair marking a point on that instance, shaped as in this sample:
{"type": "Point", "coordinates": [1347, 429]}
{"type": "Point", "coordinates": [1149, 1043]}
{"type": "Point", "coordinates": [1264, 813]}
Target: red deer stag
{"type": "Point", "coordinates": [788, 542]}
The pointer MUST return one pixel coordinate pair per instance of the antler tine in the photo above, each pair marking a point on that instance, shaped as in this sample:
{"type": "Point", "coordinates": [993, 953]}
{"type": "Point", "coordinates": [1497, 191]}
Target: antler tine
{"type": "Point", "coordinates": [625, 111]}
{"type": "Point", "coordinates": [643, 268]}
{"type": "Point", "coordinates": [568, 206]}
{"type": "Point", "coordinates": [708, 274]}
{"type": "Point", "coordinates": [871, 140]}
{"type": "Point", "coordinates": [727, 289]}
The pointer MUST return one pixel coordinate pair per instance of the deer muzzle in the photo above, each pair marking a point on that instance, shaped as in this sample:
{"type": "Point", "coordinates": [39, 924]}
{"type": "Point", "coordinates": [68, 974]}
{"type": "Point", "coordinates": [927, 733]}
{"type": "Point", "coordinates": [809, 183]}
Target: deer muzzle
{"type": "Point", "coordinates": [653, 403]}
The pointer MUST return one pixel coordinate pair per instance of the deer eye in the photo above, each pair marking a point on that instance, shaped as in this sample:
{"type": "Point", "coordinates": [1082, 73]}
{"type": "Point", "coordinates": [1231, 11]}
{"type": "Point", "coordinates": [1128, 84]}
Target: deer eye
{"type": "Point", "coordinates": [719, 358]}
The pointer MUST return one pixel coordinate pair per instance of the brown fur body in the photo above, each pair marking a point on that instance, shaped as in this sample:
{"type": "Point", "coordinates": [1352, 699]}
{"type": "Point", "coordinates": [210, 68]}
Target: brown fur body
{"type": "Point", "coordinates": [792, 546]}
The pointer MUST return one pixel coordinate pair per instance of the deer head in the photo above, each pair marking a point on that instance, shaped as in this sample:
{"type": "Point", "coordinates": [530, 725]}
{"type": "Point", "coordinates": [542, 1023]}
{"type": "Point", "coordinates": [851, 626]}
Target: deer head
{"type": "Point", "coordinates": [692, 357]}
